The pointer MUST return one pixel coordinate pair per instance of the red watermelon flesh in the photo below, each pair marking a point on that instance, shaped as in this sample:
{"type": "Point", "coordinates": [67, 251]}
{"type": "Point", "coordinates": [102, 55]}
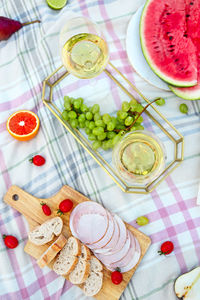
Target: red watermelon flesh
{"type": "Point", "coordinates": [193, 33]}
{"type": "Point", "coordinates": [167, 49]}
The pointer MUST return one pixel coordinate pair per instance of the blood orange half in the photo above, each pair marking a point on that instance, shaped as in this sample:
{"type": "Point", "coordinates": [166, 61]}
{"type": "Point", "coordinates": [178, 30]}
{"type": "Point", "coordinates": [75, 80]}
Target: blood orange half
{"type": "Point", "coordinates": [23, 125]}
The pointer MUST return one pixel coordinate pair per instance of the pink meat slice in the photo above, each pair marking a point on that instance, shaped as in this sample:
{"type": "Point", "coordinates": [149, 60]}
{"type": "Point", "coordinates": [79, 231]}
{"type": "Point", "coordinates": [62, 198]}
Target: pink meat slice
{"type": "Point", "coordinates": [108, 259]}
{"type": "Point", "coordinates": [121, 238]}
{"type": "Point", "coordinates": [107, 237]}
{"type": "Point", "coordinates": [128, 262]}
{"type": "Point", "coordinates": [89, 222]}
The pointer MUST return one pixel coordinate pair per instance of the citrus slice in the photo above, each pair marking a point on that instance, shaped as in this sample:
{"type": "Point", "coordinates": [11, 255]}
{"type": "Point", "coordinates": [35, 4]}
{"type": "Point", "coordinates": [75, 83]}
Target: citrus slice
{"type": "Point", "coordinates": [56, 4]}
{"type": "Point", "coordinates": [23, 125]}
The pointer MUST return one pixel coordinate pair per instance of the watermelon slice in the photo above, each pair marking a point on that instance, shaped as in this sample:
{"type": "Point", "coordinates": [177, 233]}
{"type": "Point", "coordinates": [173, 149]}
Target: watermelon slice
{"type": "Point", "coordinates": [193, 33]}
{"type": "Point", "coordinates": [166, 44]}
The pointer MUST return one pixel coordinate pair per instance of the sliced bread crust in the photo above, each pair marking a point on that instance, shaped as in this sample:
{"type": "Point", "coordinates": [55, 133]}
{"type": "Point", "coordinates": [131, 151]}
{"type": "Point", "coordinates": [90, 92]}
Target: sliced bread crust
{"type": "Point", "coordinates": [45, 232]}
{"type": "Point", "coordinates": [65, 265]}
{"type": "Point", "coordinates": [52, 251]}
{"type": "Point", "coordinates": [68, 257]}
{"type": "Point", "coordinates": [80, 272]}
{"type": "Point", "coordinates": [93, 284]}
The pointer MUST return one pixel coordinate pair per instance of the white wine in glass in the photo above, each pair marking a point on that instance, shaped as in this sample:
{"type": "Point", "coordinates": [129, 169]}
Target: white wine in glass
{"type": "Point", "coordinates": [84, 52]}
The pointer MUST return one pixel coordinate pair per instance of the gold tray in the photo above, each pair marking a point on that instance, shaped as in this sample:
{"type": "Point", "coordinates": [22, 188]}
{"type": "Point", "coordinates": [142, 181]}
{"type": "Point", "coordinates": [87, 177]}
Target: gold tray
{"type": "Point", "coordinates": [116, 88]}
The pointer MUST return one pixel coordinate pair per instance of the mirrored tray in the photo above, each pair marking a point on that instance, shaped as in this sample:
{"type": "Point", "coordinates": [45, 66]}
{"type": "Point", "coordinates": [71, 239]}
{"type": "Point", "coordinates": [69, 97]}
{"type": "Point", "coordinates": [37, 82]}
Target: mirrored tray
{"type": "Point", "coordinates": [109, 89]}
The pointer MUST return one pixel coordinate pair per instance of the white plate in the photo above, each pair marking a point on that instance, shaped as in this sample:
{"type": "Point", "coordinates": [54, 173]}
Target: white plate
{"type": "Point", "coordinates": [135, 55]}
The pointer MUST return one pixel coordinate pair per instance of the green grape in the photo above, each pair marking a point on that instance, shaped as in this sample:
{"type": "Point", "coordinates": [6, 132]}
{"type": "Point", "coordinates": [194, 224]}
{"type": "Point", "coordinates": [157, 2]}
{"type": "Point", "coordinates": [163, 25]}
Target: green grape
{"type": "Point", "coordinates": [114, 120]}
{"type": "Point", "coordinates": [104, 145]}
{"type": "Point", "coordinates": [116, 139]}
{"type": "Point", "coordinates": [82, 124]}
{"type": "Point", "coordinates": [91, 137]}
{"type": "Point", "coordinates": [183, 108]}
{"type": "Point", "coordinates": [81, 118]}
{"type": "Point", "coordinates": [111, 134]}
{"type": "Point", "coordinates": [96, 145]}
{"type": "Point", "coordinates": [140, 119]}
{"type": "Point", "coordinates": [67, 106]}
{"type": "Point", "coordinates": [110, 126]}
{"type": "Point", "coordinates": [128, 121]}
{"type": "Point", "coordinates": [95, 108]}
{"type": "Point", "coordinates": [80, 99]}
{"type": "Point", "coordinates": [72, 100]}
{"type": "Point", "coordinates": [72, 115]}
{"type": "Point", "coordinates": [88, 130]}
{"type": "Point", "coordinates": [106, 118]}
{"type": "Point", "coordinates": [139, 108]}
{"type": "Point", "coordinates": [133, 128]}
{"type": "Point", "coordinates": [66, 99]}
{"type": "Point", "coordinates": [109, 144]}
{"type": "Point", "coordinates": [160, 101]}
{"type": "Point", "coordinates": [139, 127]}
{"type": "Point", "coordinates": [91, 125]}
{"type": "Point", "coordinates": [133, 107]}
{"type": "Point", "coordinates": [141, 221]}
{"type": "Point", "coordinates": [84, 108]}
{"type": "Point", "coordinates": [122, 114]}
{"type": "Point", "coordinates": [125, 106]}
{"type": "Point", "coordinates": [98, 130]}
{"type": "Point", "coordinates": [87, 123]}
{"type": "Point", "coordinates": [100, 123]}
{"type": "Point", "coordinates": [97, 116]}
{"type": "Point", "coordinates": [133, 102]}
{"type": "Point", "coordinates": [101, 136]}
{"type": "Point", "coordinates": [89, 115]}
{"type": "Point", "coordinates": [65, 115]}
{"type": "Point", "coordinates": [77, 104]}
{"type": "Point", "coordinates": [122, 132]}
{"type": "Point", "coordinates": [120, 126]}
{"type": "Point", "coordinates": [74, 123]}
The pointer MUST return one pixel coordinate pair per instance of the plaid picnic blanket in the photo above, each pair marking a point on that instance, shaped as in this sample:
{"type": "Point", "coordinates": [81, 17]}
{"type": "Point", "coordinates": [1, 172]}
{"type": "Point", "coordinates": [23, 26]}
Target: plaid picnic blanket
{"type": "Point", "coordinates": [26, 59]}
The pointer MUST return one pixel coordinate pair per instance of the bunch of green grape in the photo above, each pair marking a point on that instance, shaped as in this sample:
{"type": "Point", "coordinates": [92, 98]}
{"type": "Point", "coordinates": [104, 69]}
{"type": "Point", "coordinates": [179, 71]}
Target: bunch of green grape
{"type": "Point", "coordinates": [103, 130]}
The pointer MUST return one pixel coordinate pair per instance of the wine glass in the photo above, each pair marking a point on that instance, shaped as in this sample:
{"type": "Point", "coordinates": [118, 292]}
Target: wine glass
{"type": "Point", "coordinates": [83, 50]}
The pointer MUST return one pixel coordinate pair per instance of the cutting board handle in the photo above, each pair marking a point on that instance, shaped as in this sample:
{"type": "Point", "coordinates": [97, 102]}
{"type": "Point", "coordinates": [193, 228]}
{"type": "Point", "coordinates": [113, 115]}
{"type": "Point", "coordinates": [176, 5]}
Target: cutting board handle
{"type": "Point", "coordinates": [26, 204]}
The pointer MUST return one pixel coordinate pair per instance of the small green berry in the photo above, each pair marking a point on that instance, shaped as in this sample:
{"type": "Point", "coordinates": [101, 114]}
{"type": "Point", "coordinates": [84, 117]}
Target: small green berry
{"type": "Point", "coordinates": [183, 108]}
{"type": "Point", "coordinates": [141, 221]}
{"type": "Point", "coordinates": [160, 102]}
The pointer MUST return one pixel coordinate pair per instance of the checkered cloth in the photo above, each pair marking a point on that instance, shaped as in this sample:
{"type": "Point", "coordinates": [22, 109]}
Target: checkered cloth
{"type": "Point", "coordinates": [26, 59]}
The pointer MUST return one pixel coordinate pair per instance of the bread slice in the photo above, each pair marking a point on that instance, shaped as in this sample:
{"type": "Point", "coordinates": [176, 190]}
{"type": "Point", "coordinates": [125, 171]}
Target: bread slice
{"type": "Point", "coordinates": [80, 272]}
{"type": "Point", "coordinates": [64, 265]}
{"type": "Point", "coordinates": [96, 265]}
{"type": "Point", "coordinates": [85, 252]}
{"type": "Point", "coordinates": [52, 251]}
{"type": "Point", "coordinates": [82, 269]}
{"type": "Point", "coordinates": [45, 232]}
{"type": "Point", "coordinates": [68, 257]}
{"type": "Point", "coordinates": [93, 284]}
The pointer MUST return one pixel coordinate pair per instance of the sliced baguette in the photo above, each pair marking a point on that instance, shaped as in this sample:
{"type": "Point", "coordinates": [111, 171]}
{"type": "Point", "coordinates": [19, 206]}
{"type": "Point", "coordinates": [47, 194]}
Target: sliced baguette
{"type": "Point", "coordinates": [80, 272]}
{"type": "Point", "coordinates": [93, 284]}
{"type": "Point", "coordinates": [82, 269]}
{"type": "Point", "coordinates": [45, 232]}
{"type": "Point", "coordinates": [96, 265]}
{"type": "Point", "coordinates": [52, 251]}
{"type": "Point", "coordinates": [85, 252]}
{"type": "Point", "coordinates": [68, 257]}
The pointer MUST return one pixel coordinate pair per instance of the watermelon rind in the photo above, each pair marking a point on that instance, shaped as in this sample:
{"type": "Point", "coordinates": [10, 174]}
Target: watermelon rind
{"type": "Point", "coordinates": [187, 95]}
{"type": "Point", "coordinates": [169, 80]}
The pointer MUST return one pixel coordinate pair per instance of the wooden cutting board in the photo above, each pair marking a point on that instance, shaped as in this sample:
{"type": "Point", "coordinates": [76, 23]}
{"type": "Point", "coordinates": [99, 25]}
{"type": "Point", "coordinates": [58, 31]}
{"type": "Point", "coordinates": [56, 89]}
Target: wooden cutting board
{"type": "Point", "coordinates": [30, 207]}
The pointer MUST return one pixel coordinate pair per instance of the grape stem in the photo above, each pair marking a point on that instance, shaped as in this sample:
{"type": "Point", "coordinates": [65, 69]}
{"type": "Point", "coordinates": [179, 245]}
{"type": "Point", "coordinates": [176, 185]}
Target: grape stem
{"type": "Point", "coordinates": [133, 113]}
